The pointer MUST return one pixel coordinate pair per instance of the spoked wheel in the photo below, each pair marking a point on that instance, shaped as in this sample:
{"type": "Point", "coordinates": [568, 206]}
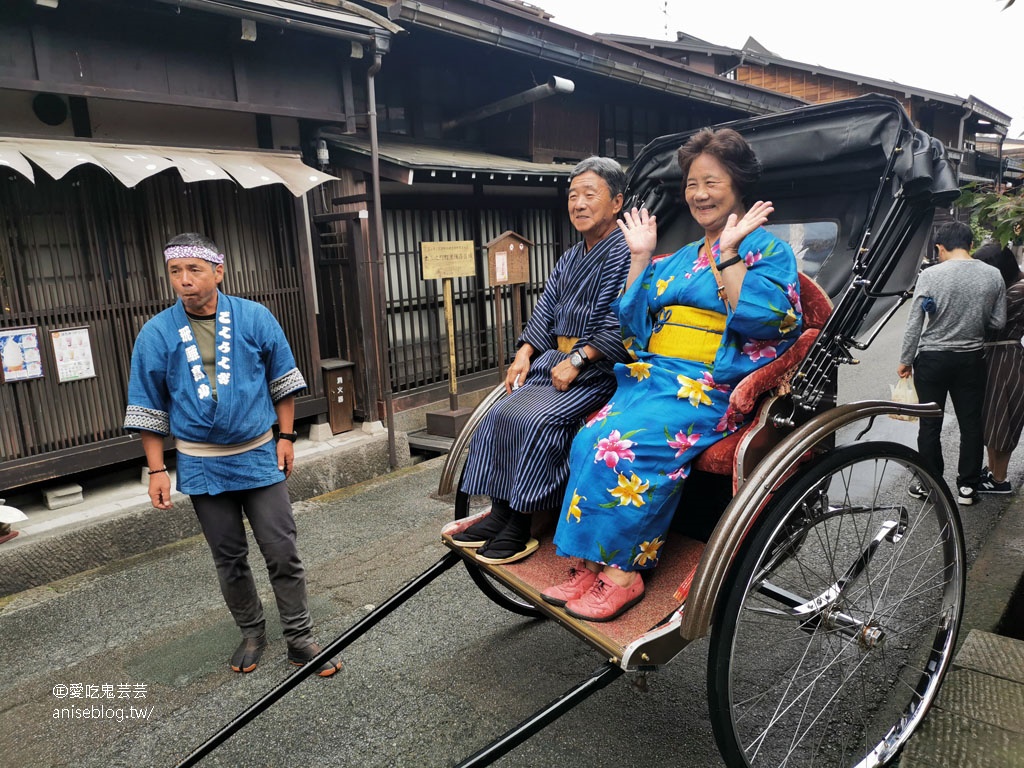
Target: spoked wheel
{"type": "Point", "coordinates": [840, 615]}
{"type": "Point", "coordinates": [494, 589]}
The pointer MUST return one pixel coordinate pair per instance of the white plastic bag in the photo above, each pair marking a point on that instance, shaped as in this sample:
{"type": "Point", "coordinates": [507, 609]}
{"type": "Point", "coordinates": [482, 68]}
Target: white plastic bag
{"type": "Point", "coordinates": [903, 391]}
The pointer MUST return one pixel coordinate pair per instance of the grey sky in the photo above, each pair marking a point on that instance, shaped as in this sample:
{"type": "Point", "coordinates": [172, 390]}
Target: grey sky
{"type": "Point", "coordinates": [955, 47]}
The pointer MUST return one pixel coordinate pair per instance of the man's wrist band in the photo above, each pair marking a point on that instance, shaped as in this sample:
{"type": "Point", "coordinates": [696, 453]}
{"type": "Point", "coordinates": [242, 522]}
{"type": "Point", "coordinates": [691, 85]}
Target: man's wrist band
{"type": "Point", "coordinates": [157, 471]}
{"type": "Point", "coordinates": [292, 436]}
{"type": "Point", "coordinates": [729, 262]}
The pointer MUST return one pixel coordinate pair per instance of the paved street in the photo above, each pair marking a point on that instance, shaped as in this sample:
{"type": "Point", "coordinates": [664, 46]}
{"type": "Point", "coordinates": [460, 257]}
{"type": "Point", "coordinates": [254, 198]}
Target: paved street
{"type": "Point", "coordinates": [429, 686]}
{"type": "Point", "coordinates": [432, 684]}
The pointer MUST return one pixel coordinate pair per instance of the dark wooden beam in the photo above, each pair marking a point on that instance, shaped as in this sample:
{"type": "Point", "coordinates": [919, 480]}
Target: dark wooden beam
{"type": "Point", "coordinates": [99, 92]}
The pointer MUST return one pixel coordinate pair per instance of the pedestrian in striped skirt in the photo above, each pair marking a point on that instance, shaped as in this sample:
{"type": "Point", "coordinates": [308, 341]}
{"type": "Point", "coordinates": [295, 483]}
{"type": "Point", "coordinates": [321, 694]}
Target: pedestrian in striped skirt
{"type": "Point", "coordinates": [1003, 413]}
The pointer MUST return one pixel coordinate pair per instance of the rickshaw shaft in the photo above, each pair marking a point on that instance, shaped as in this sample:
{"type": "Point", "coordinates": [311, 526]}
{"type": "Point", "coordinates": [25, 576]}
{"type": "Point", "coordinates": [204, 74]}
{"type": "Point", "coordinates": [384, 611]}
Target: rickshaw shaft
{"type": "Point", "coordinates": [353, 633]}
{"type": "Point", "coordinates": [543, 717]}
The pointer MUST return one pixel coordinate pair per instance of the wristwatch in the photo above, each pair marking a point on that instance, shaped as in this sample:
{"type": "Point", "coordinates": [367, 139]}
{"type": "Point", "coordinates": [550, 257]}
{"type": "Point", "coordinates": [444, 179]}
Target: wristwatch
{"type": "Point", "coordinates": [291, 436]}
{"type": "Point", "coordinates": [578, 358]}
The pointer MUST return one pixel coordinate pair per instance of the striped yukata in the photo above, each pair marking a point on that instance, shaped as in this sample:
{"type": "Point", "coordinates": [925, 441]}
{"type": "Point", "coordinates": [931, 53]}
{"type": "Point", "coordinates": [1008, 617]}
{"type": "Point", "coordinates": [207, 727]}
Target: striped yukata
{"type": "Point", "coordinates": [520, 451]}
{"type": "Point", "coordinates": [1004, 394]}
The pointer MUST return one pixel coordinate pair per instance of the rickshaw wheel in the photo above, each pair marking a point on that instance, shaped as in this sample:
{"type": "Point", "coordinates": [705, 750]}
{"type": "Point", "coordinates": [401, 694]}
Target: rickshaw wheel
{"type": "Point", "coordinates": [494, 589]}
{"type": "Point", "coordinates": [840, 615]}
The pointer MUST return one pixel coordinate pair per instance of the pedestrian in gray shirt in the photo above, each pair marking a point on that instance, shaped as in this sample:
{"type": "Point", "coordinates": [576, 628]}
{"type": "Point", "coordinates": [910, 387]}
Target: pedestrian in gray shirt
{"type": "Point", "coordinates": [954, 303]}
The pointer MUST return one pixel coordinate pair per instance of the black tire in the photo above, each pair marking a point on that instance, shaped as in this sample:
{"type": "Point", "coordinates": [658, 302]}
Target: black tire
{"type": "Point", "coordinates": [494, 589]}
{"type": "Point", "coordinates": [846, 683]}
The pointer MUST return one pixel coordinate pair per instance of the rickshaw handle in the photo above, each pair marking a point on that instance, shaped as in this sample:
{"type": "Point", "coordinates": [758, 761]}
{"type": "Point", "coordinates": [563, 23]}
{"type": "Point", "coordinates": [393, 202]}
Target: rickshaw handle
{"type": "Point", "coordinates": [746, 505]}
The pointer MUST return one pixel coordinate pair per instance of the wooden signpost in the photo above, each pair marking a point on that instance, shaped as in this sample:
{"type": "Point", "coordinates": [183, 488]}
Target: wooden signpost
{"type": "Point", "coordinates": [445, 261]}
{"type": "Point", "coordinates": [508, 263]}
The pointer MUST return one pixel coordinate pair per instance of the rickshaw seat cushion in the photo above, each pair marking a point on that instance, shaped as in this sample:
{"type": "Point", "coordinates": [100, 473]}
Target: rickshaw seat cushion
{"type": "Point", "coordinates": [816, 307]}
{"type": "Point", "coordinates": [719, 458]}
{"type": "Point", "coordinates": [774, 375]}
{"type": "Point", "coordinates": [815, 304]}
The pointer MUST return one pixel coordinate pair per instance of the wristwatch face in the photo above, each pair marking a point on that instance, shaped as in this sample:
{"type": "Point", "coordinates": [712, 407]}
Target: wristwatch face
{"type": "Point", "coordinates": [576, 359]}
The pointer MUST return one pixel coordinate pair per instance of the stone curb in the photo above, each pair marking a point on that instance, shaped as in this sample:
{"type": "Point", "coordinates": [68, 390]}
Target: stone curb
{"type": "Point", "coordinates": [130, 530]}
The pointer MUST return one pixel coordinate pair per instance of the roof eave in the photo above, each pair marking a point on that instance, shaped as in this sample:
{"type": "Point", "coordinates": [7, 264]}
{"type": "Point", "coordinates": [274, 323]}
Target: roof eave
{"type": "Point", "coordinates": [620, 62]}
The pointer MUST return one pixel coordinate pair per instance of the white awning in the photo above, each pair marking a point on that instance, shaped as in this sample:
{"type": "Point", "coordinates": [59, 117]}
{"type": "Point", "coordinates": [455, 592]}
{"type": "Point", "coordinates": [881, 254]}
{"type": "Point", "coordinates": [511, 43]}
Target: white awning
{"type": "Point", "coordinates": [131, 163]}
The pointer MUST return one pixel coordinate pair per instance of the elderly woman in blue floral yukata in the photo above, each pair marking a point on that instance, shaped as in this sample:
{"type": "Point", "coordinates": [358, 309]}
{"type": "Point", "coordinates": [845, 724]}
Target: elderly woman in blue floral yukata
{"type": "Point", "coordinates": [695, 323]}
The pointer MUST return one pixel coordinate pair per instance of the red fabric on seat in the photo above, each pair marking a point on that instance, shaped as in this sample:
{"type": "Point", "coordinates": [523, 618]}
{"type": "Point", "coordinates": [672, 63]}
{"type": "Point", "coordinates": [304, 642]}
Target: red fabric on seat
{"type": "Point", "coordinates": [815, 303]}
{"type": "Point", "coordinates": [719, 458]}
{"type": "Point", "coordinates": [746, 394]}
{"type": "Point", "coordinates": [816, 306]}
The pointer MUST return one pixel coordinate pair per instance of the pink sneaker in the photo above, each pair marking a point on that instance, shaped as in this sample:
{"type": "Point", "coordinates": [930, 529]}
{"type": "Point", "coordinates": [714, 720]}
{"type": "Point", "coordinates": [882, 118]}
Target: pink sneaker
{"type": "Point", "coordinates": [606, 600]}
{"type": "Point", "coordinates": [578, 584]}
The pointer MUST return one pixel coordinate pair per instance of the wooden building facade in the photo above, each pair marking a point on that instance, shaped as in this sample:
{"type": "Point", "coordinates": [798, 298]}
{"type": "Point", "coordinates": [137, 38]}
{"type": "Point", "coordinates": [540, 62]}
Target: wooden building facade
{"type": "Point", "coordinates": [431, 120]}
{"type": "Point", "coordinates": [124, 123]}
{"type": "Point", "coordinates": [484, 107]}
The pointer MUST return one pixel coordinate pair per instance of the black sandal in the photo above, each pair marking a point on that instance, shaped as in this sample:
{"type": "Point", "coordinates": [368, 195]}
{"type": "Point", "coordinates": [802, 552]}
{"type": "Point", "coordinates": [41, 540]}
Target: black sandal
{"type": "Point", "coordinates": [479, 533]}
{"type": "Point", "coordinates": [513, 543]}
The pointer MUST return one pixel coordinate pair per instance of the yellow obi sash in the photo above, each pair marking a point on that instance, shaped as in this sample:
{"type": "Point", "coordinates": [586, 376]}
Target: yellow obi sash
{"type": "Point", "coordinates": [566, 344]}
{"type": "Point", "coordinates": [688, 333]}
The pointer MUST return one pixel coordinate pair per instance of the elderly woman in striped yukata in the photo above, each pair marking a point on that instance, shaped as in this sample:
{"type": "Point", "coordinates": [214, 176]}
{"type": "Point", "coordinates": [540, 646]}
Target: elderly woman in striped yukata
{"type": "Point", "coordinates": [562, 371]}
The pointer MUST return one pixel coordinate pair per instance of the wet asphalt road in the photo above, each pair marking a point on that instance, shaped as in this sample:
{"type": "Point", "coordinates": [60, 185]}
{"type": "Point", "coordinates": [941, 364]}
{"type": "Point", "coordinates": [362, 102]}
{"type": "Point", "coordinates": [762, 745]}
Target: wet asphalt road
{"type": "Point", "coordinates": [429, 686]}
{"type": "Point", "coordinates": [432, 684]}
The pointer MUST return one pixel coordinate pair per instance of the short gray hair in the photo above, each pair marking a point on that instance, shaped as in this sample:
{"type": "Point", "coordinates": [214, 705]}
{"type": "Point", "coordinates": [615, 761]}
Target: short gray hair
{"type": "Point", "coordinates": [607, 169]}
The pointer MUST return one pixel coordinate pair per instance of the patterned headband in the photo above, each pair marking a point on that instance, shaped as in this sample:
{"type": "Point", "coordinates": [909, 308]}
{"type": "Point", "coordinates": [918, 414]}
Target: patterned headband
{"type": "Point", "coordinates": [193, 252]}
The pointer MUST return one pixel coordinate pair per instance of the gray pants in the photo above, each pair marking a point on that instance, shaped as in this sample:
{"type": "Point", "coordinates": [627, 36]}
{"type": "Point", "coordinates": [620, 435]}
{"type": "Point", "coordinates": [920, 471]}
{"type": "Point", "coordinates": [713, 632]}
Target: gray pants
{"type": "Point", "coordinates": [270, 516]}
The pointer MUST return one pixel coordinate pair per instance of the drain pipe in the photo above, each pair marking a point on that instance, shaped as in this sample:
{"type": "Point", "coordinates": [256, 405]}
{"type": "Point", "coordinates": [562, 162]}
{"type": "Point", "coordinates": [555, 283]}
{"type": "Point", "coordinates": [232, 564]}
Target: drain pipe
{"type": "Point", "coordinates": [1000, 186]}
{"type": "Point", "coordinates": [553, 86]}
{"type": "Point", "coordinates": [378, 295]}
{"type": "Point", "coordinates": [960, 130]}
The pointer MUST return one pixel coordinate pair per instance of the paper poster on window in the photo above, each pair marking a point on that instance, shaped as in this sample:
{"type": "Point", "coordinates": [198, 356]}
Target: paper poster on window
{"type": "Point", "coordinates": [19, 354]}
{"type": "Point", "coordinates": [73, 353]}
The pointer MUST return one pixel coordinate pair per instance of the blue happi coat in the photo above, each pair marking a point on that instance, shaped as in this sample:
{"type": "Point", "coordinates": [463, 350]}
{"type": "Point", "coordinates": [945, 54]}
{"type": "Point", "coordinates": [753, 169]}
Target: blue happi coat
{"type": "Point", "coordinates": [170, 392]}
{"type": "Point", "coordinates": [520, 451]}
{"type": "Point", "coordinates": [628, 463]}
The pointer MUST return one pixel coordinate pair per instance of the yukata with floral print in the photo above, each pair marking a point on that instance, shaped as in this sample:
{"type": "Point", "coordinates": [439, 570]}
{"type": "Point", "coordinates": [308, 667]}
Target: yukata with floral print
{"type": "Point", "coordinates": [629, 461]}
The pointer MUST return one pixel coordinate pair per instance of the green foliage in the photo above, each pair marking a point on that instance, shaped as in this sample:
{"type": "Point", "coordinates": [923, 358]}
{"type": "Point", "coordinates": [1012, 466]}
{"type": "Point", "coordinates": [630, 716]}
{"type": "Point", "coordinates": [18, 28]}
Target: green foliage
{"type": "Point", "coordinates": [978, 232]}
{"type": "Point", "coordinates": [1001, 215]}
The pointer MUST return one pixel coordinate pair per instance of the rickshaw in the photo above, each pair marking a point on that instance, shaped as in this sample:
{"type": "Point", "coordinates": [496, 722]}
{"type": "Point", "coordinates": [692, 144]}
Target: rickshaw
{"type": "Point", "coordinates": [832, 597]}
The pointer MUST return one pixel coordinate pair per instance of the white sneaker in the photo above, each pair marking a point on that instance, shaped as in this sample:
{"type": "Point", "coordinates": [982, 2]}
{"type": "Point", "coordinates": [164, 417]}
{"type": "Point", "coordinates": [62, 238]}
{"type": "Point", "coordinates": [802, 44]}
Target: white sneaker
{"type": "Point", "coordinates": [966, 495]}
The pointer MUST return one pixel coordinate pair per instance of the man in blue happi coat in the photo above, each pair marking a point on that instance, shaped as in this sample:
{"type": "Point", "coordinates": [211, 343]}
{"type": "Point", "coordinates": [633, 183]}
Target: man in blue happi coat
{"type": "Point", "coordinates": [216, 372]}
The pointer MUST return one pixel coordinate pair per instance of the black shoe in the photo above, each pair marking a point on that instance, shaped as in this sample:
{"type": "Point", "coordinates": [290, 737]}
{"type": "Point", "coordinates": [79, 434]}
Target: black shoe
{"type": "Point", "coordinates": [513, 543]}
{"type": "Point", "coordinates": [917, 490]}
{"type": "Point", "coordinates": [989, 484]}
{"type": "Point", "coordinates": [966, 495]}
{"type": "Point", "coordinates": [248, 653]}
{"type": "Point", "coordinates": [302, 656]}
{"type": "Point", "coordinates": [481, 532]}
